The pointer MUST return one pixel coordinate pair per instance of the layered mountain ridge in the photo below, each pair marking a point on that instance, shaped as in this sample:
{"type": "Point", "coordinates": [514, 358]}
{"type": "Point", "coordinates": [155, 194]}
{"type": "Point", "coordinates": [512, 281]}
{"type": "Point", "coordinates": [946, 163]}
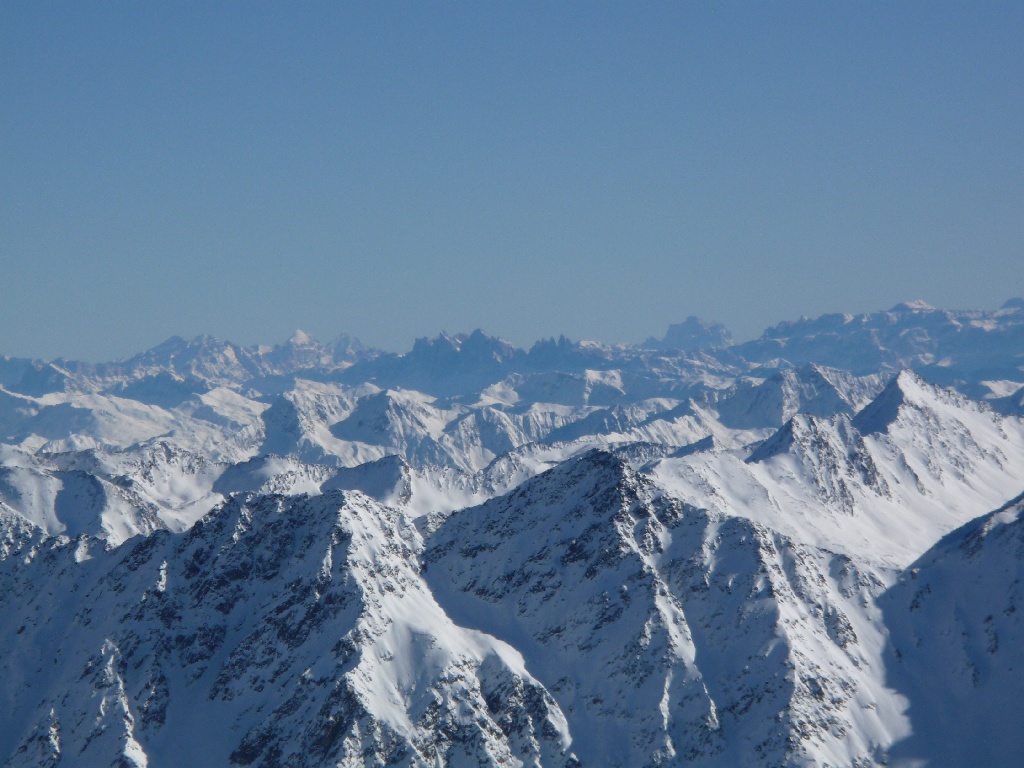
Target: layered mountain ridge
{"type": "Point", "coordinates": [797, 551]}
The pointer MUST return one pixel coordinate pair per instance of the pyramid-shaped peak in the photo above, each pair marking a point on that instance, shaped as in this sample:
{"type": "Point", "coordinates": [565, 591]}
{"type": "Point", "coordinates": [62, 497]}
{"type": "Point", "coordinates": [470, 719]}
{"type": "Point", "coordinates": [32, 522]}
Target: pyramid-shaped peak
{"type": "Point", "coordinates": [812, 433]}
{"type": "Point", "coordinates": [599, 458]}
{"type": "Point", "coordinates": [905, 387]}
{"type": "Point", "coordinates": [780, 442]}
{"type": "Point", "coordinates": [441, 343]}
{"type": "Point", "coordinates": [807, 373]}
{"type": "Point", "coordinates": [301, 338]}
{"type": "Point", "coordinates": [594, 470]}
{"type": "Point", "coordinates": [580, 496]}
{"type": "Point", "coordinates": [916, 390]}
{"type": "Point", "coordinates": [170, 343]}
{"type": "Point", "coordinates": [480, 339]}
{"type": "Point", "coordinates": [917, 305]}
{"type": "Point", "coordinates": [877, 415]}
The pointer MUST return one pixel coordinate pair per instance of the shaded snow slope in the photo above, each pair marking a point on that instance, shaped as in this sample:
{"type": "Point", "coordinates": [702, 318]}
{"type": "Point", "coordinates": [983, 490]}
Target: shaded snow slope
{"type": "Point", "coordinates": [779, 553]}
{"type": "Point", "coordinates": [957, 645]}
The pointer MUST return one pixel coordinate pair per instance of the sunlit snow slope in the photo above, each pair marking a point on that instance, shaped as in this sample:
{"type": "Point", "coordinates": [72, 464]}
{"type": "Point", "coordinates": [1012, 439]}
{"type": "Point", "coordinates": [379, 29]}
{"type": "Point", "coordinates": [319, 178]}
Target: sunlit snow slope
{"type": "Point", "coordinates": [803, 550]}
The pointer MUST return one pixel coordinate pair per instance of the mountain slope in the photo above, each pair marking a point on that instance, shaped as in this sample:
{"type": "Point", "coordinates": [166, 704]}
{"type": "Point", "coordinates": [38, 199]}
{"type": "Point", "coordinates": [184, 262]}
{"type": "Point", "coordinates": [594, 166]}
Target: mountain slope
{"type": "Point", "coordinates": [916, 463]}
{"type": "Point", "coordinates": [779, 553]}
{"type": "Point", "coordinates": [718, 641]}
{"type": "Point", "coordinates": [277, 631]}
{"type": "Point", "coordinates": [957, 644]}
{"type": "Point", "coordinates": [947, 346]}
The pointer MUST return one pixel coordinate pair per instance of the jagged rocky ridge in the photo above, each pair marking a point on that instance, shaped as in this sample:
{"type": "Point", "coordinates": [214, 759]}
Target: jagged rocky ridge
{"type": "Point", "coordinates": [684, 553]}
{"type": "Point", "coordinates": [278, 631]}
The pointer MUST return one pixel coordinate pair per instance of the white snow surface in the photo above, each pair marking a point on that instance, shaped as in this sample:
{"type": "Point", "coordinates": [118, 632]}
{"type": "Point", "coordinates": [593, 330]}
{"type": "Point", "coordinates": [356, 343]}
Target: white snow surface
{"type": "Point", "coordinates": [782, 553]}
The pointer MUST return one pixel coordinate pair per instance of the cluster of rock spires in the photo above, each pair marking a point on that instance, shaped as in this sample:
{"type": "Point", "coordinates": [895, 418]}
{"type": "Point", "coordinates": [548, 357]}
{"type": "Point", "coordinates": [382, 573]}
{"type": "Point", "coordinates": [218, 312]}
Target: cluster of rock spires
{"type": "Point", "coordinates": [802, 550]}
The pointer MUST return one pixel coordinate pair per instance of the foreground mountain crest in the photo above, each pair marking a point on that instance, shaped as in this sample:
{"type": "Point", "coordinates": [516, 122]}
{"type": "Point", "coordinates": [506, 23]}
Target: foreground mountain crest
{"type": "Point", "coordinates": [686, 553]}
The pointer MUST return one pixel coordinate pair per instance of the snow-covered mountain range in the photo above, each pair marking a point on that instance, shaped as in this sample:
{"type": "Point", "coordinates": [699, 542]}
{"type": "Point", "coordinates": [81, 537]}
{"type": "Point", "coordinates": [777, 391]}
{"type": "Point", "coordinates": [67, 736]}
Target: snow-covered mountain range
{"type": "Point", "coordinates": [803, 550]}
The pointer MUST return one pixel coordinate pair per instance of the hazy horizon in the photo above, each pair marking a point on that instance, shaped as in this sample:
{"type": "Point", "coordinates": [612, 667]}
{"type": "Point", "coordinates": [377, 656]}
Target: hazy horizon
{"type": "Point", "coordinates": [522, 344]}
{"type": "Point", "coordinates": [534, 170]}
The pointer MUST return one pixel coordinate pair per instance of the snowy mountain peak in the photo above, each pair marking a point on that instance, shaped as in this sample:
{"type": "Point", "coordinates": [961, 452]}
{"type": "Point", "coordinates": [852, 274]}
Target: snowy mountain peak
{"type": "Point", "coordinates": [810, 389]}
{"type": "Point", "coordinates": [883, 410]}
{"type": "Point", "coordinates": [470, 555]}
{"type": "Point", "coordinates": [276, 629]}
{"type": "Point", "coordinates": [301, 338]}
{"type": "Point", "coordinates": [916, 305]}
{"type": "Point", "coordinates": [698, 621]}
{"type": "Point", "coordinates": [798, 429]}
{"type": "Point", "coordinates": [905, 390]}
{"type": "Point", "coordinates": [586, 594]}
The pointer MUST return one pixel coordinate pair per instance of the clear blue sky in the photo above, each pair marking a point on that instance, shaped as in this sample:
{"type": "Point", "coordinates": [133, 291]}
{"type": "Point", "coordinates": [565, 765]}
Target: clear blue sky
{"type": "Point", "coordinates": [596, 169]}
